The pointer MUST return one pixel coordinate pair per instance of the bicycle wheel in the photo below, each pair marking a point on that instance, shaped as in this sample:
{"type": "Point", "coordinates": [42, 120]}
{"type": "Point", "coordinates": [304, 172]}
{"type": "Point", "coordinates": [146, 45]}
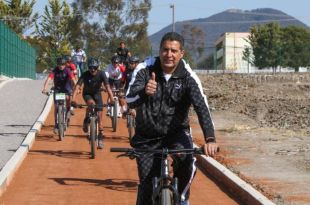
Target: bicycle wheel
{"type": "Point", "coordinates": [166, 197]}
{"type": "Point", "coordinates": [114, 115]}
{"type": "Point", "coordinates": [93, 137]}
{"type": "Point", "coordinates": [61, 124]}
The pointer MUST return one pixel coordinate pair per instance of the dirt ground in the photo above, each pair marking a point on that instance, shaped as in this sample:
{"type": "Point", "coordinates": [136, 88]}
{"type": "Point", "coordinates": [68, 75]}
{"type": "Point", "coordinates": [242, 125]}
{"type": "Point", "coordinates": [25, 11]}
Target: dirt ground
{"type": "Point", "coordinates": [263, 128]}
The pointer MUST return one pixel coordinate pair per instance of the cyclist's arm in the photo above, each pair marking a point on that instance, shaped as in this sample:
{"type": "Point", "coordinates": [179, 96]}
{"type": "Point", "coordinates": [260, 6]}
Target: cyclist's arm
{"type": "Point", "coordinates": [136, 90]}
{"type": "Point", "coordinates": [200, 103]}
{"type": "Point", "coordinates": [78, 87]}
{"type": "Point", "coordinates": [47, 82]}
{"type": "Point", "coordinates": [105, 81]}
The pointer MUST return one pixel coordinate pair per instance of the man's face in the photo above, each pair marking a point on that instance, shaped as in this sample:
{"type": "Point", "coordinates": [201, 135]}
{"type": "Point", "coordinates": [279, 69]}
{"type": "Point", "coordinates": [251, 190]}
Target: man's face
{"type": "Point", "coordinates": [133, 65]}
{"type": "Point", "coordinates": [61, 67]}
{"type": "Point", "coordinates": [122, 45]}
{"type": "Point", "coordinates": [93, 70]}
{"type": "Point", "coordinates": [115, 65]}
{"type": "Point", "coordinates": [170, 54]}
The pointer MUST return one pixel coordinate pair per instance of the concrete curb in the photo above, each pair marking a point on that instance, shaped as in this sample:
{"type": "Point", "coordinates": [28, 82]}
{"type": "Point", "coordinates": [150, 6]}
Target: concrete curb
{"type": "Point", "coordinates": [244, 191]}
{"type": "Point", "coordinates": [5, 82]}
{"type": "Point", "coordinates": [8, 171]}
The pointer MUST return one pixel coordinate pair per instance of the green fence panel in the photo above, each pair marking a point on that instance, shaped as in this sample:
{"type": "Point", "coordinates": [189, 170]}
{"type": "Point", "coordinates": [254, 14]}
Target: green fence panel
{"type": "Point", "coordinates": [17, 57]}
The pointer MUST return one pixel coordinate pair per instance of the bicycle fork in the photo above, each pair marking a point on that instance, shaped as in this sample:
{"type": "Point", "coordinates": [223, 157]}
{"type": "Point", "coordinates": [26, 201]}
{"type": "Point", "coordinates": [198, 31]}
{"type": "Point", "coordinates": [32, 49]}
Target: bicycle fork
{"type": "Point", "coordinates": [165, 181]}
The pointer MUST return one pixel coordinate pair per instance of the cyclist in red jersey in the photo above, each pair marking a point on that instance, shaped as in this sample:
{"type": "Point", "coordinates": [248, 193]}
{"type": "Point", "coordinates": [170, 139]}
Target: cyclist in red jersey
{"type": "Point", "coordinates": [64, 82]}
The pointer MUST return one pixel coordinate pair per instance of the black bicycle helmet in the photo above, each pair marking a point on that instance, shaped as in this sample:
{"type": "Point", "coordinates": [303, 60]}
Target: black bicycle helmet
{"type": "Point", "coordinates": [134, 59]}
{"type": "Point", "coordinates": [115, 59]}
{"type": "Point", "coordinates": [93, 63]}
{"type": "Point", "coordinates": [68, 58]}
{"type": "Point", "coordinates": [60, 61]}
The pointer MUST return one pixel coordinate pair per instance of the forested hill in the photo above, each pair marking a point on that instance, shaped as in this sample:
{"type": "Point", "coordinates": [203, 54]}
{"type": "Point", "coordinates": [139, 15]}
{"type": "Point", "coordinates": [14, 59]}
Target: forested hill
{"type": "Point", "coordinates": [232, 20]}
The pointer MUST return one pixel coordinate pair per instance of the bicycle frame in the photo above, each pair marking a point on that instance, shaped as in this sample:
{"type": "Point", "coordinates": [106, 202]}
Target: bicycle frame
{"type": "Point", "coordinates": [165, 187]}
{"type": "Point", "coordinates": [61, 113]}
{"type": "Point", "coordinates": [93, 126]}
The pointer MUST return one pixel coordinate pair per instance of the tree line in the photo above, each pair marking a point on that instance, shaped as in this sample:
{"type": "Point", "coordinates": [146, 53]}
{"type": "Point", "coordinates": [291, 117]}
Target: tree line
{"type": "Point", "coordinates": [95, 25]}
{"type": "Point", "coordinates": [273, 47]}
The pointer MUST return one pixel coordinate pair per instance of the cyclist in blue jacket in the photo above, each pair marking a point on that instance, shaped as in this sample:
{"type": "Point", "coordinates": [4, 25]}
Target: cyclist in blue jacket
{"type": "Point", "coordinates": [162, 90]}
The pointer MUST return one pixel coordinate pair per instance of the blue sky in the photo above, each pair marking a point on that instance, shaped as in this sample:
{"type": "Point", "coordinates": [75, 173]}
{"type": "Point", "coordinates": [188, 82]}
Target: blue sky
{"type": "Point", "coordinates": [161, 13]}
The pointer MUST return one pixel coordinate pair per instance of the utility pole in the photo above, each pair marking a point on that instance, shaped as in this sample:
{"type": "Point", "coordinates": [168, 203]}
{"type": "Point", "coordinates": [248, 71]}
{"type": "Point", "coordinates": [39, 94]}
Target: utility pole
{"type": "Point", "coordinates": [173, 24]}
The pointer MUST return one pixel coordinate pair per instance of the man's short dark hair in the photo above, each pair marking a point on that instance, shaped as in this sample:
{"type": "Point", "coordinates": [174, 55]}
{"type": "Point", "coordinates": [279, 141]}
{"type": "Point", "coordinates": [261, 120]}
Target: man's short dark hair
{"type": "Point", "coordinates": [172, 36]}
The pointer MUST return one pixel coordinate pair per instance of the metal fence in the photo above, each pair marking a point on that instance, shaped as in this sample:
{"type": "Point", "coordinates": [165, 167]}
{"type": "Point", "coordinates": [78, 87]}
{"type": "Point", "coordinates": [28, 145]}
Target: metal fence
{"type": "Point", "coordinates": [17, 57]}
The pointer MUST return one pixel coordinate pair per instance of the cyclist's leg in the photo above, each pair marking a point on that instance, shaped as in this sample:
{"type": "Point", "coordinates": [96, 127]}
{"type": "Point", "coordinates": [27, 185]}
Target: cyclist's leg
{"type": "Point", "coordinates": [184, 165]}
{"type": "Point", "coordinates": [148, 167]}
{"type": "Point", "coordinates": [89, 100]}
{"type": "Point", "coordinates": [121, 107]}
{"type": "Point", "coordinates": [99, 102]}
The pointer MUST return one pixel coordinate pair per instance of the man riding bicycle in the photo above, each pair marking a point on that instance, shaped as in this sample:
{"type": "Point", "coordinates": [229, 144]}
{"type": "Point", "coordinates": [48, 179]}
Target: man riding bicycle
{"type": "Point", "coordinates": [63, 80]}
{"type": "Point", "coordinates": [92, 81]}
{"type": "Point", "coordinates": [114, 72]}
{"type": "Point", "coordinates": [133, 62]}
{"type": "Point", "coordinates": [123, 53]}
{"type": "Point", "coordinates": [163, 89]}
{"type": "Point", "coordinates": [71, 65]}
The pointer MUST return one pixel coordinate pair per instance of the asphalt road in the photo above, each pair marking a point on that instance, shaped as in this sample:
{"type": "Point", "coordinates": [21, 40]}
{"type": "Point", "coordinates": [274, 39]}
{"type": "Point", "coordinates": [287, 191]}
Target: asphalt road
{"type": "Point", "coordinates": [21, 103]}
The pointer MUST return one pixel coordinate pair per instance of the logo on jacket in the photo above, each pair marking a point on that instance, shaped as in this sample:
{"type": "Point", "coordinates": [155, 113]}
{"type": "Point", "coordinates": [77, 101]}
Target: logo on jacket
{"type": "Point", "coordinates": [178, 86]}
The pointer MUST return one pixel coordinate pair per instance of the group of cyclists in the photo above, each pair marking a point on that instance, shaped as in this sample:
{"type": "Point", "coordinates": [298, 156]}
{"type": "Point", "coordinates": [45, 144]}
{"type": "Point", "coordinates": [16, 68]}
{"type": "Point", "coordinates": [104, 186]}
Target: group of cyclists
{"type": "Point", "coordinates": [160, 91]}
{"type": "Point", "coordinates": [92, 82]}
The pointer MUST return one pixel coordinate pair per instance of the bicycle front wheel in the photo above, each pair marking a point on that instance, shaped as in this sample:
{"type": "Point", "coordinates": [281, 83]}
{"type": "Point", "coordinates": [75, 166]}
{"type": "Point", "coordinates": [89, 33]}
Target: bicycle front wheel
{"type": "Point", "coordinates": [61, 124]}
{"type": "Point", "coordinates": [114, 116]}
{"type": "Point", "coordinates": [166, 197]}
{"type": "Point", "coordinates": [93, 137]}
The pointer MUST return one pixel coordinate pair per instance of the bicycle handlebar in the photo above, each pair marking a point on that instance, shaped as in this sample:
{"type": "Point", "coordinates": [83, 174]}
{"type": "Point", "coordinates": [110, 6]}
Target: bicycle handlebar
{"type": "Point", "coordinates": [199, 150]}
{"type": "Point", "coordinates": [92, 106]}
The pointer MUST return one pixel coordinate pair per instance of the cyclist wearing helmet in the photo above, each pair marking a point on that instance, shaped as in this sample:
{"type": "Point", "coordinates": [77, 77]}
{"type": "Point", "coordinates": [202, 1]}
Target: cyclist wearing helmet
{"type": "Point", "coordinates": [63, 80]}
{"type": "Point", "coordinates": [71, 65]}
{"type": "Point", "coordinates": [114, 72]}
{"type": "Point", "coordinates": [123, 53]}
{"type": "Point", "coordinates": [133, 62]}
{"type": "Point", "coordinates": [92, 79]}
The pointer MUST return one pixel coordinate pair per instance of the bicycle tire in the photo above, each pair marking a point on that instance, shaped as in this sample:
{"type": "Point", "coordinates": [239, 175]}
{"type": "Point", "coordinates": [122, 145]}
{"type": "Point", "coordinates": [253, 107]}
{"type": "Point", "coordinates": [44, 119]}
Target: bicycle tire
{"type": "Point", "coordinates": [93, 136]}
{"type": "Point", "coordinates": [60, 120]}
{"type": "Point", "coordinates": [114, 115]}
{"type": "Point", "coordinates": [166, 197]}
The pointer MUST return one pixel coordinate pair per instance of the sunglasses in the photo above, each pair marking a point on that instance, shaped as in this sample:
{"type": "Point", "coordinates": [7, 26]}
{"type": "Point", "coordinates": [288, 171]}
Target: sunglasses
{"type": "Point", "coordinates": [92, 68]}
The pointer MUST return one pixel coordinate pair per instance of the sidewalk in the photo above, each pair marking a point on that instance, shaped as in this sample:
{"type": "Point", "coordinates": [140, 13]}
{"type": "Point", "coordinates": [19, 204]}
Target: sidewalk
{"type": "Point", "coordinates": [21, 104]}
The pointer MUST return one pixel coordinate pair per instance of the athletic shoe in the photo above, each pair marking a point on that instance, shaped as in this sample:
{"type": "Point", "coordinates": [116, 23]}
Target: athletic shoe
{"type": "Point", "coordinates": [185, 202]}
{"type": "Point", "coordinates": [108, 111]}
{"type": "Point", "coordinates": [100, 140]}
{"type": "Point", "coordinates": [55, 130]}
{"type": "Point", "coordinates": [85, 125]}
{"type": "Point", "coordinates": [72, 111]}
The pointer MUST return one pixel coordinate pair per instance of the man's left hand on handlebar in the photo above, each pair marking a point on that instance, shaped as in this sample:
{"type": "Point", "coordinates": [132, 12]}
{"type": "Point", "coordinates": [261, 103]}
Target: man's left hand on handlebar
{"type": "Point", "coordinates": [210, 149]}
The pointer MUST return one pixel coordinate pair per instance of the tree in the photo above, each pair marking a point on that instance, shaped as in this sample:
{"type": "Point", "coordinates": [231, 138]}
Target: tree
{"type": "Point", "coordinates": [295, 47]}
{"type": "Point", "coordinates": [115, 20]}
{"type": "Point", "coordinates": [55, 29]}
{"type": "Point", "coordinates": [17, 14]}
{"type": "Point", "coordinates": [194, 40]}
{"type": "Point", "coordinates": [266, 43]}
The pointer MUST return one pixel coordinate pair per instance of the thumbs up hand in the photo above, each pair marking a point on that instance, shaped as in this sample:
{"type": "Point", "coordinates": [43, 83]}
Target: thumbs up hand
{"type": "Point", "coordinates": [151, 85]}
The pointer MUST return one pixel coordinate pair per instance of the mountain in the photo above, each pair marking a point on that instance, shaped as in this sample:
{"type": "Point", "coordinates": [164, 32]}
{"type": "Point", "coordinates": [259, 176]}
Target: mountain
{"type": "Point", "coordinates": [232, 20]}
